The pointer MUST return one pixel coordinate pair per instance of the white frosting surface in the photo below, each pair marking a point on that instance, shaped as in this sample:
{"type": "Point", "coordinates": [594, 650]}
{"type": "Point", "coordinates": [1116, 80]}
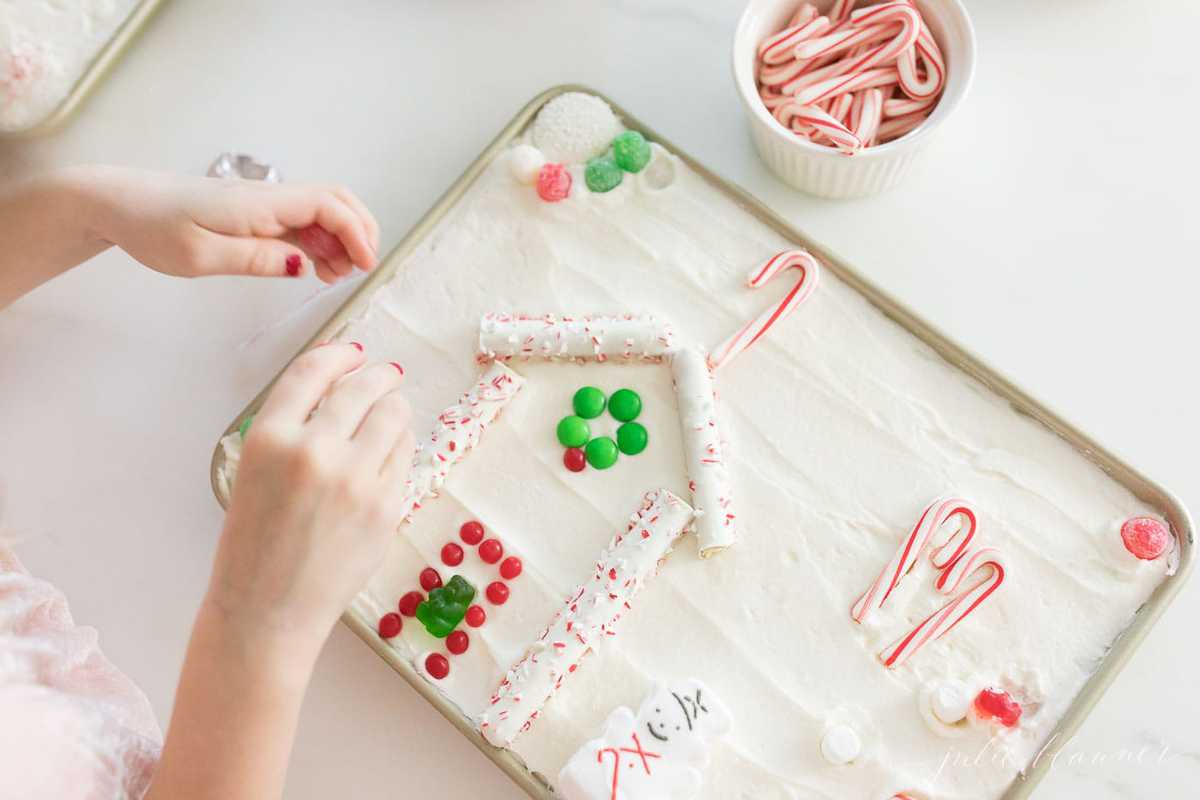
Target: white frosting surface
{"type": "Point", "coordinates": [45, 46]}
{"type": "Point", "coordinates": [841, 428]}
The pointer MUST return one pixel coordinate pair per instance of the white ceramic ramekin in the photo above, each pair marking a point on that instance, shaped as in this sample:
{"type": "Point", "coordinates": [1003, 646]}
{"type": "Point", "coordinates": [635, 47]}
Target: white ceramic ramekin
{"type": "Point", "coordinates": [824, 171]}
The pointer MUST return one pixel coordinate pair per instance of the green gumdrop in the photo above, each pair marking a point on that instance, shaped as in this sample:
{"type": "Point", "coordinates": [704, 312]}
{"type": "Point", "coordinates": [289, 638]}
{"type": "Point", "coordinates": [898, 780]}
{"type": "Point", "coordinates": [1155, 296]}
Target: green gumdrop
{"type": "Point", "coordinates": [589, 402]}
{"type": "Point", "coordinates": [602, 174]}
{"type": "Point", "coordinates": [244, 428]}
{"type": "Point", "coordinates": [632, 438]}
{"type": "Point", "coordinates": [601, 452]}
{"type": "Point", "coordinates": [573, 431]}
{"type": "Point", "coordinates": [631, 151]}
{"type": "Point", "coordinates": [446, 606]}
{"type": "Point", "coordinates": [625, 405]}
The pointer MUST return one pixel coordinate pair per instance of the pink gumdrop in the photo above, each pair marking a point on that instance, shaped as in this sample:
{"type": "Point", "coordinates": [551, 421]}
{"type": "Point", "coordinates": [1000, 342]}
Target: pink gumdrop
{"type": "Point", "coordinates": [1146, 537]}
{"type": "Point", "coordinates": [320, 243]}
{"type": "Point", "coordinates": [553, 183]}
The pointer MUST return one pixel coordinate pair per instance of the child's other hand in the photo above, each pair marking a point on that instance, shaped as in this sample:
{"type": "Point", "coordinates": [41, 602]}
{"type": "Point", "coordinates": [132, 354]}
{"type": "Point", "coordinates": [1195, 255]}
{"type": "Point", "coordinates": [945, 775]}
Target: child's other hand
{"type": "Point", "coordinates": [190, 226]}
{"type": "Point", "coordinates": [317, 500]}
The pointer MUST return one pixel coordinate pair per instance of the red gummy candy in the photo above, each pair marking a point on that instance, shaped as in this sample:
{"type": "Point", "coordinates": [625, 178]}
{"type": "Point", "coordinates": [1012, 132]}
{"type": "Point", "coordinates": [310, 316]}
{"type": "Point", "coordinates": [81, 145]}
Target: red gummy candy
{"type": "Point", "coordinates": [999, 705]}
{"type": "Point", "coordinates": [497, 593]}
{"type": "Point", "coordinates": [491, 551]}
{"type": "Point", "coordinates": [430, 579]}
{"type": "Point", "coordinates": [320, 243]}
{"type": "Point", "coordinates": [553, 183]}
{"type": "Point", "coordinates": [437, 665]}
{"type": "Point", "coordinates": [390, 625]}
{"type": "Point", "coordinates": [476, 616]}
{"type": "Point", "coordinates": [1146, 537]}
{"type": "Point", "coordinates": [409, 603]}
{"type": "Point", "coordinates": [452, 554]}
{"type": "Point", "coordinates": [458, 642]}
{"type": "Point", "coordinates": [575, 459]}
{"type": "Point", "coordinates": [471, 532]}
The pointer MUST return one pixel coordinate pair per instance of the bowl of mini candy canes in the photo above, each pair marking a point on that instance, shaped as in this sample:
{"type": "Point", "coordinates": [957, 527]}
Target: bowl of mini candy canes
{"type": "Point", "coordinates": [841, 95]}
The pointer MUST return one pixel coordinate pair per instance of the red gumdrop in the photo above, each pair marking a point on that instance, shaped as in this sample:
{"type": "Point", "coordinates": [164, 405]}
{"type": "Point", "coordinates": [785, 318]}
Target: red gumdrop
{"type": "Point", "coordinates": [409, 603]}
{"type": "Point", "coordinates": [471, 532]}
{"type": "Point", "coordinates": [476, 616]}
{"type": "Point", "coordinates": [491, 551]}
{"type": "Point", "coordinates": [437, 665]}
{"type": "Point", "coordinates": [1146, 537]}
{"type": "Point", "coordinates": [390, 625]}
{"type": "Point", "coordinates": [497, 593]}
{"type": "Point", "coordinates": [575, 459]}
{"type": "Point", "coordinates": [320, 243]}
{"type": "Point", "coordinates": [458, 642]}
{"type": "Point", "coordinates": [510, 568]}
{"type": "Point", "coordinates": [553, 183]}
{"type": "Point", "coordinates": [999, 705]}
{"type": "Point", "coordinates": [430, 579]}
{"type": "Point", "coordinates": [452, 554]}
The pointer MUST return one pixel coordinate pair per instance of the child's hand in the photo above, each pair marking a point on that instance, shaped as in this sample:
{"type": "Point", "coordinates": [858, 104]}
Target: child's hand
{"type": "Point", "coordinates": [316, 501]}
{"type": "Point", "coordinates": [189, 226]}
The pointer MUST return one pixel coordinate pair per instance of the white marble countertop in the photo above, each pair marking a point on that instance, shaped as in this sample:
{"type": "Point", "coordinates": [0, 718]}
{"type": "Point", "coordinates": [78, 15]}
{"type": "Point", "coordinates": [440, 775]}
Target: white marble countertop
{"type": "Point", "coordinates": [1052, 230]}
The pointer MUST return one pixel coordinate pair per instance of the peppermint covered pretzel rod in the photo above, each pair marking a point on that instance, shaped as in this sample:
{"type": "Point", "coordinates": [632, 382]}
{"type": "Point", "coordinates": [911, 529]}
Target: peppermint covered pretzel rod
{"type": "Point", "coordinates": [587, 618]}
{"type": "Point", "coordinates": [457, 430]}
{"type": "Point", "coordinates": [708, 474]}
{"type": "Point", "coordinates": [591, 338]}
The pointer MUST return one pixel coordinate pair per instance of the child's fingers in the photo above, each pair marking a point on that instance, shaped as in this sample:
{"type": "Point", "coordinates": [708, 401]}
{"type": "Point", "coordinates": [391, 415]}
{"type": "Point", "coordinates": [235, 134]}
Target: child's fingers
{"type": "Point", "coordinates": [307, 379]}
{"type": "Point", "coordinates": [306, 206]}
{"type": "Point", "coordinates": [364, 213]}
{"type": "Point", "coordinates": [217, 254]}
{"type": "Point", "coordinates": [324, 271]}
{"type": "Point", "coordinates": [382, 428]}
{"type": "Point", "coordinates": [398, 464]}
{"type": "Point", "coordinates": [350, 400]}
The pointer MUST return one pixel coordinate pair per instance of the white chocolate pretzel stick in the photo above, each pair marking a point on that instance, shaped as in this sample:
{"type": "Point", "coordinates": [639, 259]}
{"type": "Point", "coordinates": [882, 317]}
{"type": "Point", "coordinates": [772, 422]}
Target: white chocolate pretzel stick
{"type": "Point", "coordinates": [505, 336]}
{"type": "Point", "coordinates": [751, 332]}
{"type": "Point", "coordinates": [457, 430]}
{"type": "Point", "coordinates": [708, 474]}
{"type": "Point", "coordinates": [587, 618]}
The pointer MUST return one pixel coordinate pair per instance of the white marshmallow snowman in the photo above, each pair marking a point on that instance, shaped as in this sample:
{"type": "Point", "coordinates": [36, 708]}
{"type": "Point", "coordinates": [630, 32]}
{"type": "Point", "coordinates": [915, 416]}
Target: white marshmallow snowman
{"type": "Point", "coordinates": [658, 754]}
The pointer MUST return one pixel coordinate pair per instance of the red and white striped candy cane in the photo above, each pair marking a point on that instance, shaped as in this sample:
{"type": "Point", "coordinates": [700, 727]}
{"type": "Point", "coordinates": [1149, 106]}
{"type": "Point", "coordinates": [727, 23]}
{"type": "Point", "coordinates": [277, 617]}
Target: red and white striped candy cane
{"type": "Point", "coordinates": [840, 109]}
{"type": "Point", "coordinates": [840, 10]}
{"type": "Point", "coordinates": [935, 515]}
{"type": "Point", "coordinates": [902, 106]}
{"type": "Point", "coordinates": [931, 58]}
{"type": "Point", "coordinates": [779, 48]}
{"type": "Point", "coordinates": [898, 126]}
{"type": "Point", "coordinates": [823, 121]}
{"type": "Point", "coordinates": [782, 74]}
{"type": "Point", "coordinates": [751, 332]}
{"type": "Point", "coordinates": [870, 79]}
{"type": "Point", "coordinates": [985, 562]}
{"type": "Point", "coordinates": [865, 114]}
{"type": "Point", "coordinates": [807, 12]}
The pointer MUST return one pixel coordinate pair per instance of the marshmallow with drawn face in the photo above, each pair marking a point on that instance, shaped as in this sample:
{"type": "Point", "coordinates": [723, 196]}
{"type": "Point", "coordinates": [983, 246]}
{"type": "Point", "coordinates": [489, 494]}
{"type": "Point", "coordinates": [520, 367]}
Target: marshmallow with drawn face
{"type": "Point", "coordinates": [659, 753]}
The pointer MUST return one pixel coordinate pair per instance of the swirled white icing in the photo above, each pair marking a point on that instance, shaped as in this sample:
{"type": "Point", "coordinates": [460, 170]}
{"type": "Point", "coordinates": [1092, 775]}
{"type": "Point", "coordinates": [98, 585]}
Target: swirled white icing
{"type": "Point", "coordinates": [841, 426]}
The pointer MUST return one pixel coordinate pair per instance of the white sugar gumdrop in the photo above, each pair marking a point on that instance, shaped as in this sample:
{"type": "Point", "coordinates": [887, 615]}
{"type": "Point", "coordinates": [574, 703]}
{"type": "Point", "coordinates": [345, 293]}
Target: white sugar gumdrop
{"type": "Point", "coordinates": [659, 174]}
{"type": "Point", "coordinates": [525, 162]}
{"type": "Point", "coordinates": [574, 127]}
{"type": "Point", "coordinates": [950, 701]}
{"type": "Point", "coordinates": [840, 745]}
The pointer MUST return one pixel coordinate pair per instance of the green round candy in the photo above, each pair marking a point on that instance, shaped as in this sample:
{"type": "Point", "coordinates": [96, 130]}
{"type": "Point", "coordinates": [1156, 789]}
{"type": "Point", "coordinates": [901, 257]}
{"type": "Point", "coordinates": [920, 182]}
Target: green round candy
{"type": "Point", "coordinates": [601, 452]}
{"type": "Point", "coordinates": [589, 402]}
{"type": "Point", "coordinates": [244, 428]}
{"type": "Point", "coordinates": [631, 151]}
{"type": "Point", "coordinates": [625, 405]}
{"type": "Point", "coordinates": [602, 174]}
{"type": "Point", "coordinates": [632, 438]}
{"type": "Point", "coordinates": [573, 431]}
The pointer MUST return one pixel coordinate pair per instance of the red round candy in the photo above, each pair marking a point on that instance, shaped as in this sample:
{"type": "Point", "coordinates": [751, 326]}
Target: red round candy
{"type": "Point", "coordinates": [553, 183]}
{"type": "Point", "coordinates": [510, 568]}
{"type": "Point", "coordinates": [452, 554]}
{"type": "Point", "coordinates": [476, 616]}
{"type": "Point", "coordinates": [1147, 538]}
{"type": "Point", "coordinates": [437, 665]}
{"type": "Point", "coordinates": [491, 551]}
{"type": "Point", "coordinates": [458, 642]}
{"type": "Point", "coordinates": [575, 459]}
{"type": "Point", "coordinates": [390, 625]}
{"type": "Point", "coordinates": [409, 603]}
{"type": "Point", "coordinates": [430, 579]}
{"type": "Point", "coordinates": [471, 532]}
{"type": "Point", "coordinates": [497, 593]}
{"type": "Point", "coordinates": [999, 705]}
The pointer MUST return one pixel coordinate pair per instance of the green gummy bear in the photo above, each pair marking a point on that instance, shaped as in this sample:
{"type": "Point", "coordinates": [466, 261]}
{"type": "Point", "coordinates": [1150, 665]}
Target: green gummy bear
{"type": "Point", "coordinates": [446, 606]}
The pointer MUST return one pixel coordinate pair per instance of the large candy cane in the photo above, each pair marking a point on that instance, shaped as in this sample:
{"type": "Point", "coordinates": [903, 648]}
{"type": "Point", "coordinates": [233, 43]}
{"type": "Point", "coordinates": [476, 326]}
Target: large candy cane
{"type": "Point", "coordinates": [751, 332]}
{"type": "Point", "coordinates": [919, 539]}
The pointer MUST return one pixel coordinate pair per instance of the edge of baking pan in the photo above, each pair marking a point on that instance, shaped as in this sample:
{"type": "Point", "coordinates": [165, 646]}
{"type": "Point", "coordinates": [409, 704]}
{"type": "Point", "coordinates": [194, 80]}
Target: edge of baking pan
{"type": "Point", "coordinates": [103, 61]}
{"type": "Point", "coordinates": [1141, 486]}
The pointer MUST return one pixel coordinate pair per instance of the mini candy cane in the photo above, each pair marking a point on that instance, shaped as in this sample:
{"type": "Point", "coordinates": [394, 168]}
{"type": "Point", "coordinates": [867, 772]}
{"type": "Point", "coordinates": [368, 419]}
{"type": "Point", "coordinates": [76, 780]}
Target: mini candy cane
{"type": "Point", "coordinates": [936, 514]}
{"type": "Point", "coordinates": [805, 13]}
{"type": "Point", "coordinates": [824, 122]}
{"type": "Point", "coordinates": [866, 114]}
{"type": "Point", "coordinates": [751, 332]}
{"type": "Point", "coordinates": [985, 562]}
{"type": "Point", "coordinates": [935, 67]}
{"type": "Point", "coordinates": [779, 48]}
{"type": "Point", "coordinates": [884, 76]}
{"type": "Point", "coordinates": [898, 126]}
